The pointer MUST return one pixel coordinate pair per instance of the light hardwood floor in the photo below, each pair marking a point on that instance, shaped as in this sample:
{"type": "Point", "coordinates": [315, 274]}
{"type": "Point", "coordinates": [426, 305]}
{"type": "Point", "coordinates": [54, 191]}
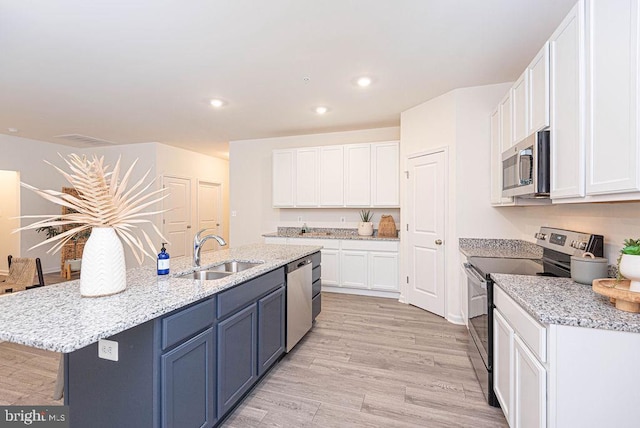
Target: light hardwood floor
{"type": "Point", "coordinates": [368, 362]}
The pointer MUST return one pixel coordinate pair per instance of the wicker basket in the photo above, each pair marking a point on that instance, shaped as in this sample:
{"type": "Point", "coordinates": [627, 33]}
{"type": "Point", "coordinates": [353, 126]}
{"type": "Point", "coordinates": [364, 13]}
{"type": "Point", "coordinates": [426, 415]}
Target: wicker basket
{"type": "Point", "coordinates": [387, 227]}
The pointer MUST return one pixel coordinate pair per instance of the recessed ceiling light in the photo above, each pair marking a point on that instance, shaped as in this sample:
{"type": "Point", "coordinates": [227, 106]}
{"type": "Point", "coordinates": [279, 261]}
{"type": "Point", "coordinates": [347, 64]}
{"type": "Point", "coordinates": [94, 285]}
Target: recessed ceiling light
{"type": "Point", "coordinates": [364, 81]}
{"type": "Point", "coordinates": [321, 109]}
{"type": "Point", "coordinates": [217, 103]}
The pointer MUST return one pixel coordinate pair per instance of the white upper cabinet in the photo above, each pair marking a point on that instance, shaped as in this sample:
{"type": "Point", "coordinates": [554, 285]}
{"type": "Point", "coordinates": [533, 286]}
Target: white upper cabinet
{"type": "Point", "coordinates": [306, 177]}
{"type": "Point", "coordinates": [538, 91]}
{"type": "Point", "coordinates": [612, 71]}
{"type": "Point", "coordinates": [357, 175]}
{"type": "Point", "coordinates": [506, 135]}
{"type": "Point", "coordinates": [332, 176]}
{"type": "Point", "coordinates": [496, 161]}
{"type": "Point", "coordinates": [354, 175]}
{"type": "Point", "coordinates": [519, 109]}
{"type": "Point", "coordinates": [567, 76]}
{"type": "Point", "coordinates": [385, 174]}
{"type": "Point", "coordinates": [283, 170]}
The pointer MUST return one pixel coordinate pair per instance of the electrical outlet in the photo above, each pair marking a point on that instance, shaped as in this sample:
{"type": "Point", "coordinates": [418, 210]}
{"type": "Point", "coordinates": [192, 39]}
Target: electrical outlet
{"type": "Point", "coordinates": [342, 219]}
{"type": "Point", "coordinates": [108, 349]}
{"type": "Point", "coordinates": [234, 213]}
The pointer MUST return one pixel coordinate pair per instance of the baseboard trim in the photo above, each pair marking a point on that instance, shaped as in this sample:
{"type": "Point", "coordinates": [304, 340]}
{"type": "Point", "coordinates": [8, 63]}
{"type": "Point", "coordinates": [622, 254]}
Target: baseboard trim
{"type": "Point", "coordinates": [362, 292]}
{"type": "Point", "coordinates": [455, 319]}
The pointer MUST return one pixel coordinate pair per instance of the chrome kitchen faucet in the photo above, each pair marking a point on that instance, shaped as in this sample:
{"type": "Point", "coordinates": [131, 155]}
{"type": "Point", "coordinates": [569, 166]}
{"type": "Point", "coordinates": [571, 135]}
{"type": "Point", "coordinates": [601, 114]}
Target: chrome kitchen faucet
{"type": "Point", "coordinates": [199, 242]}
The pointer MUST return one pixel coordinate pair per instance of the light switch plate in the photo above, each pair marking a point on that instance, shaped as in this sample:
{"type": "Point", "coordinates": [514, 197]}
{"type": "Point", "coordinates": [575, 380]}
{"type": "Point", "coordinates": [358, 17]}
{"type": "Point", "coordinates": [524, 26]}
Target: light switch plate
{"type": "Point", "coordinates": [108, 349]}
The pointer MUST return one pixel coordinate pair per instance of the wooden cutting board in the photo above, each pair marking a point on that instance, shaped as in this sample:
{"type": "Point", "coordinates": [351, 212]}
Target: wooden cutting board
{"type": "Point", "coordinates": [618, 293]}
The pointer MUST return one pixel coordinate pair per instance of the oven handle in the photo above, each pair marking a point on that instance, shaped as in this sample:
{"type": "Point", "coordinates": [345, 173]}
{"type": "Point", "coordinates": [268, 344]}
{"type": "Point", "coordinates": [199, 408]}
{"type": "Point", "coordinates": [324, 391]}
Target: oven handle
{"type": "Point", "coordinates": [472, 273]}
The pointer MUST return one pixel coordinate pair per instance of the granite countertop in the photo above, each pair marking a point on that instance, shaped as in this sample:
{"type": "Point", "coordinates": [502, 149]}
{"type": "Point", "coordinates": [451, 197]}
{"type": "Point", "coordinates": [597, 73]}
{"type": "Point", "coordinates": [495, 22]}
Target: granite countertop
{"type": "Point", "coordinates": [506, 248]}
{"type": "Point", "coordinates": [327, 233]}
{"type": "Point", "coordinates": [565, 302]}
{"type": "Point", "coordinates": [58, 319]}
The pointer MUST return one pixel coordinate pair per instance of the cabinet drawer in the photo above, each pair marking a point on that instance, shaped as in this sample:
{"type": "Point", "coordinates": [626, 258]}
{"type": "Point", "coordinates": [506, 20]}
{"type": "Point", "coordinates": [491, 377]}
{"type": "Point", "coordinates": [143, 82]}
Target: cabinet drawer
{"type": "Point", "coordinates": [530, 331]}
{"type": "Point", "coordinates": [364, 245]}
{"type": "Point", "coordinates": [240, 296]}
{"type": "Point", "coordinates": [316, 259]}
{"type": "Point", "coordinates": [187, 322]}
{"type": "Point", "coordinates": [316, 287]}
{"type": "Point", "coordinates": [316, 306]}
{"type": "Point", "coordinates": [316, 273]}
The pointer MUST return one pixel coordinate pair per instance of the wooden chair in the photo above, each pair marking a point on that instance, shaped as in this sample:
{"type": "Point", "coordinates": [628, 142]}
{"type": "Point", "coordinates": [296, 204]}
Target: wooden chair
{"type": "Point", "coordinates": [21, 273]}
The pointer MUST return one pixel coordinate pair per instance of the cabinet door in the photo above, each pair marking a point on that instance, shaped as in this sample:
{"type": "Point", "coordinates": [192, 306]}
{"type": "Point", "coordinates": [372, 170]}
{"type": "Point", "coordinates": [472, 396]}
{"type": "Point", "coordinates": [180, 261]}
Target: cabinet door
{"type": "Point", "coordinates": [383, 271]}
{"type": "Point", "coordinates": [385, 179]}
{"type": "Point", "coordinates": [612, 140]}
{"type": "Point", "coordinates": [283, 169]}
{"type": "Point", "coordinates": [519, 108]}
{"type": "Point", "coordinates": [357, 175]}
{"type": "Point", "coordinates": [332, 176]}
{"type": "Point", "coordinates": [187, 383]}
{"type": "Point", "coordinates": [330, 267]}
{"type": "Point", "coordinates": [237, 350]}
{"type": "Point", "coordinates": [270, 329]}
{"type": "Point", "coordinates": [306, 182]}
{"type": "Point", "coordinates": [530, 389]}
{"type": "Point", "coordinates": [503, 364]}
{"type": "Point", "coordinates": [567, 80]}
{"type": "Point", "coordinates": [506, 134]}
{"type": "Point", "coordinates": [496, 161]}
{"type": "Point", "coordinates": [353, 268]}
{"type": "Point", "coordinates": [538, 90]}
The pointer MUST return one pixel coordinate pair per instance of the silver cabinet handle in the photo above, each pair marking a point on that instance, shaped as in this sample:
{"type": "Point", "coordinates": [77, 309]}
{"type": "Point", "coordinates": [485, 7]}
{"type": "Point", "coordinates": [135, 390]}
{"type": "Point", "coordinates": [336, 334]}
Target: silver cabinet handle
{"type": "Point", "coordinates": [438, 241]}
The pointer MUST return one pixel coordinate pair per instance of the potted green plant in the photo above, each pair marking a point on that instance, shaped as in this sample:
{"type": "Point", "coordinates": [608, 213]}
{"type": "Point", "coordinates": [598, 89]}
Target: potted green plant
{"type": "Point", "coordinates": [629, 263]}
{"type": "Point", "coordinates": [365, 227]}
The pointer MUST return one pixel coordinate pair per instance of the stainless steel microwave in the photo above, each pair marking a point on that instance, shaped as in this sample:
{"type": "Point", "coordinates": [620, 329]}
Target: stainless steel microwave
{"type": "Point", "coordinates": [526, 167]}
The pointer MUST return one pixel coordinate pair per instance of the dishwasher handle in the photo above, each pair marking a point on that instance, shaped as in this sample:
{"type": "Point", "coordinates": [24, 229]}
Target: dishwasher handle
{"type": "Point", "coordinates": [298, 264]}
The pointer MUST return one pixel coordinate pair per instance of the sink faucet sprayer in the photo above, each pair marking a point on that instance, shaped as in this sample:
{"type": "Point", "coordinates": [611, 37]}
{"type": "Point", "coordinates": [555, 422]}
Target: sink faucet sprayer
{"type": "Point", "coordinates": [199, 242]}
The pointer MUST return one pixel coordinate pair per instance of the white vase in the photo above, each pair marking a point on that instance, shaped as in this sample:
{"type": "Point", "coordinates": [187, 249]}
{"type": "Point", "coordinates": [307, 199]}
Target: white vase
{"type": "Point", "coordinates": [630, 269]}
{"type": "Point", "coordinates": [103, 268]}
{"type": "Point", "coordinates": [365, 228]}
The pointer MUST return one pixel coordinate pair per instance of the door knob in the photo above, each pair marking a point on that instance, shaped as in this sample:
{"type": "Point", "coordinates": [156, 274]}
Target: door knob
{"type": "Point", "coordinates": [438, 241]}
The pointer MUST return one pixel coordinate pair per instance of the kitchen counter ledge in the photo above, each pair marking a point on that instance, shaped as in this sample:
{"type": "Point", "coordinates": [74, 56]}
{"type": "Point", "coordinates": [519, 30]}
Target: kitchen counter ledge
{"type": "Point", "coordinates": [57, 318]}
{"type": "Point", "coordinates": [562, 301]}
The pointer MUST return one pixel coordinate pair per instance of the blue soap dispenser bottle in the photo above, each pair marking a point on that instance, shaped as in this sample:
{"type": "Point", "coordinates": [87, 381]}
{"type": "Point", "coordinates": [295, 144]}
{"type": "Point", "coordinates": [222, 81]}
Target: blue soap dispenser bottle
{"type": "Point", "coordinates": [163, 261]}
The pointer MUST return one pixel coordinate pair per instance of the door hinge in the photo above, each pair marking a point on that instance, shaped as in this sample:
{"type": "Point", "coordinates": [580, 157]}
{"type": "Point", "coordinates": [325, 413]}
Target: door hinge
{"type": "Point", "coordinates": [407, 227]}
{"type": "Point", "coordinates": [407, 173]}
{"type": "Point", "coordinates": [407, 279]}
{"type": "Point", "coordinates": [164, 221]}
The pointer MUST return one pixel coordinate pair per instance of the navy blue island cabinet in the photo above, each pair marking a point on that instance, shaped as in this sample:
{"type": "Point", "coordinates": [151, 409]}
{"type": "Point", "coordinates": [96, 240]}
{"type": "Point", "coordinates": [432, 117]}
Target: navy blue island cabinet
{"type": "Point", "coordinates": [185, 369]}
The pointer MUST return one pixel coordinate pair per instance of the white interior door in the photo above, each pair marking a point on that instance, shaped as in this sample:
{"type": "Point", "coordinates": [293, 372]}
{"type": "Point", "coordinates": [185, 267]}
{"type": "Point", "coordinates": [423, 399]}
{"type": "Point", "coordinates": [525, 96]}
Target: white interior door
{"type": "Point", "coordinates": [176, 223]}
{"type": "Point", "coordinates": [209, 217]}
{"type": "Point", "coordinates": [9, 221]}
{"type": "Point", "coordinates": [426, 230]}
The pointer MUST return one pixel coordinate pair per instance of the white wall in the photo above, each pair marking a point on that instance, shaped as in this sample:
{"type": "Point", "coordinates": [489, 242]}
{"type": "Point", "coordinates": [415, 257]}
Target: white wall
{"type": "Point", "coordinates": [250, 178]}
{"type": "Point", "coordinates": [27, 156]}
{"type": "Point", "coordinates": [9, 211]}
{"type": "Point", "coordinates": [187, 164]}
{"type": "Point", "coordinates": [459, 121]}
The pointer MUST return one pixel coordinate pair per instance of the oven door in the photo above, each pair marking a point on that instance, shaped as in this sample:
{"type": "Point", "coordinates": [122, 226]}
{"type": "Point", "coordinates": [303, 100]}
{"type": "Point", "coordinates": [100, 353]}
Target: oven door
{"type": "Point", "coordinates": [478, 308]}
{"type": "Point", "coordinates": [480, 349]}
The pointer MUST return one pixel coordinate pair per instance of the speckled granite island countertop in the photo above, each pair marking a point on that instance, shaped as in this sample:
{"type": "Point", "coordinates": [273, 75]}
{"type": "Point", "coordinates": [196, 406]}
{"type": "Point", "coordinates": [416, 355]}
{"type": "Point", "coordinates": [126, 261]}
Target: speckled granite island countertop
{"type": "Point", "coordinates": [508, 248]}
{"type": "Point", "coordinates": [327, 233]}
{"type": "Point", "coordinates": [57, 318]}
{"type": "Point", "coordinates": [565, 302]}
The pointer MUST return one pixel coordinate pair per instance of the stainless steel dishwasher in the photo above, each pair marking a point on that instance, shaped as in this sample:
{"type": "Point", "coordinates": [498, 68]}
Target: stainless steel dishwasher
{"type": "Point", "coordinates": [299, 293]}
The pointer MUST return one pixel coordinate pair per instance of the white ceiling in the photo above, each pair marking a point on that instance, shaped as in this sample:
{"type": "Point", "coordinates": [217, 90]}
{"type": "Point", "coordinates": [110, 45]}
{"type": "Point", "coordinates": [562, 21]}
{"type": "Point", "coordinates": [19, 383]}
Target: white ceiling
{"type": "Point", "coordinates": [130, 71]}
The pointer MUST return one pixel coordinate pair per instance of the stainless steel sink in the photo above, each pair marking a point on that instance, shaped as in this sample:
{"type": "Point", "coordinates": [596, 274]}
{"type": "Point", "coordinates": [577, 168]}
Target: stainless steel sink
{"type": "Point", "coordinates": [205, 274]}
{"type": "Point", "coordinates": [233, 266]}
{"type": "Point", "coordinates": [220, 271]}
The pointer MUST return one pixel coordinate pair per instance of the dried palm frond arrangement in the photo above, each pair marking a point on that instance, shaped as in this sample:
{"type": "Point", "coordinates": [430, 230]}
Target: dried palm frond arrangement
{"type": "Point", "coordinates": [103, 201]}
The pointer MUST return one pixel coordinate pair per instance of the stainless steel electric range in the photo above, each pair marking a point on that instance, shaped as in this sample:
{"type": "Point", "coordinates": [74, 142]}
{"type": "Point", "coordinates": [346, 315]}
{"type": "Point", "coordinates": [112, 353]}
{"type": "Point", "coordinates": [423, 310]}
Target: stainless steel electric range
{"type": "Point", "coordinates": [558, 247]}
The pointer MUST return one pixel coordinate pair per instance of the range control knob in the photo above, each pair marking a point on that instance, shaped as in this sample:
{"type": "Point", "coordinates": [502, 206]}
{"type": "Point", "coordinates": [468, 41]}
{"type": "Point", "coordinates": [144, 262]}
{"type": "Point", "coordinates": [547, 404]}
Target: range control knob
{"type": "Point", "coordinates": [540, 236]}
{"type": "Point", "coordinates": [573, 244]}
{"type": "Point", "coordinates": [582, 245]}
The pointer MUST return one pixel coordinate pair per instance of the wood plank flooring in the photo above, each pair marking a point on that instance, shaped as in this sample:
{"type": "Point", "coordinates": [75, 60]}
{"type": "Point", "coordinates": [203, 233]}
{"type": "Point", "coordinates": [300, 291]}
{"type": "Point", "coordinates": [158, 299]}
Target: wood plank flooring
{"type": "Point", "coordinates": [368, 362]}
{"type": "Point", "coordinates": [372, 362]}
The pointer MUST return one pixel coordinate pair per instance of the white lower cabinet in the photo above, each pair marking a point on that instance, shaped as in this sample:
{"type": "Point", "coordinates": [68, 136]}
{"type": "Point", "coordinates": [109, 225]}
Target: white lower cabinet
{"type": "Point", "coordinates": [529, 389]}
{"type": "Point", "coordinates": [520, 378]}
{"type": "Point", "coordinates": [355, 266]}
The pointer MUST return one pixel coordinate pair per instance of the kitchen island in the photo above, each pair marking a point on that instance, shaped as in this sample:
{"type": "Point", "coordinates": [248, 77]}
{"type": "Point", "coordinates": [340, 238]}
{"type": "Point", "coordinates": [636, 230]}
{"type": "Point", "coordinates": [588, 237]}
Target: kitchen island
{"type": "Point", "coordinates": [187, 350]}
